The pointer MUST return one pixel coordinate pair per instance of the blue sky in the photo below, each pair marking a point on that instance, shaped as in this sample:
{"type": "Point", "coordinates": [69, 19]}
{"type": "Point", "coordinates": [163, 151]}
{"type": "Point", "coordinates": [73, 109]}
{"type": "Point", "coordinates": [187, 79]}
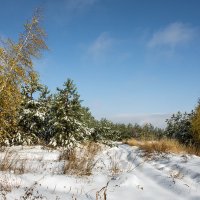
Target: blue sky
{"type": "Point", "coordinates": [132, 60]}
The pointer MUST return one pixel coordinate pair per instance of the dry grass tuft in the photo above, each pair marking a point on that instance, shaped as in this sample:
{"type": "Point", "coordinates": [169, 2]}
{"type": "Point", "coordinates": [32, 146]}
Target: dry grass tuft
{"type": "Point", "coordinates": [11, 162]}
{"type": "Point", "coordinates": [163, 146]}
{"type": "Point", "coordinates": [8, 182]}
{"type": "Point", "coordinates": [114, 167]}
{"type": "Point", "coordinates": [8, 161]}
{"type": "Point", "coordinates": [80, 161]}
{"type": "Point", "coordinates": [193, 150]}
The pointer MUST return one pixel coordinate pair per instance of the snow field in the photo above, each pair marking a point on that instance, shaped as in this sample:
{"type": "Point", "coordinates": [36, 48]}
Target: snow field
{"type": "Point", "coordinates": [120, 172]}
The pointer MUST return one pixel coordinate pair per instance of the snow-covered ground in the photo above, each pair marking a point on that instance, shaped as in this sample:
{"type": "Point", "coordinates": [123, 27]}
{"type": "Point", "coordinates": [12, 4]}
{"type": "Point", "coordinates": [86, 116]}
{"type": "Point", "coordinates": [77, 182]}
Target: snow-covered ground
{"type": "Point", "coordinates": [121, 173]}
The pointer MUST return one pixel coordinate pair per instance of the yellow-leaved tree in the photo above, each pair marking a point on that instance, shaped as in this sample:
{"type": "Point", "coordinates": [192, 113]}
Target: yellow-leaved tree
{"type": "Point", "coordinates": [16, 70]}
{"type": "Point", "coordinates": [196, 125]}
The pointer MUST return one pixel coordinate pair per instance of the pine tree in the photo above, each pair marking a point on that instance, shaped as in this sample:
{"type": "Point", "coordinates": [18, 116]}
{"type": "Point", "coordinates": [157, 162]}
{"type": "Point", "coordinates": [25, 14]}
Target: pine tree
{"type": "Point", "coordinates": [31, 116]}
{"type": "Point", "coordinates": [179, 127]}
{"type": "Point", "coordinates": [105, 131]}
{"type": "Point", "coordinates": [45, 102]}
{"type": "Point", "coordinates": [66, 111]}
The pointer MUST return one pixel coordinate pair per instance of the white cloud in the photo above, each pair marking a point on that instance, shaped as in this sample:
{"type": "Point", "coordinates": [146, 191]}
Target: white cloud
{"type": "Point", "coordinates": [100, 46]}
{"type": "Point", "coordinates": [157, 120]}
{"type": "Point", "coordinates": [65, 11]}
{"type": "Point", "coordinates": [172, 35]}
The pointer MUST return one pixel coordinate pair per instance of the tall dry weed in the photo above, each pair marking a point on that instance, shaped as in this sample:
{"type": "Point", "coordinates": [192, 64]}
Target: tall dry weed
{"type": "Point", "coordinates": [80, 161]}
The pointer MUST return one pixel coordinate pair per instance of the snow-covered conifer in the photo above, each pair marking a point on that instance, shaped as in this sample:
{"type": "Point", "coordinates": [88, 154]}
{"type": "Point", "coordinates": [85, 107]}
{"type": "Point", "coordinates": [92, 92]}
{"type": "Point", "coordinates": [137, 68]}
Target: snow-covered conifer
{"type": "Point", "coordinates": [67, 124]}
